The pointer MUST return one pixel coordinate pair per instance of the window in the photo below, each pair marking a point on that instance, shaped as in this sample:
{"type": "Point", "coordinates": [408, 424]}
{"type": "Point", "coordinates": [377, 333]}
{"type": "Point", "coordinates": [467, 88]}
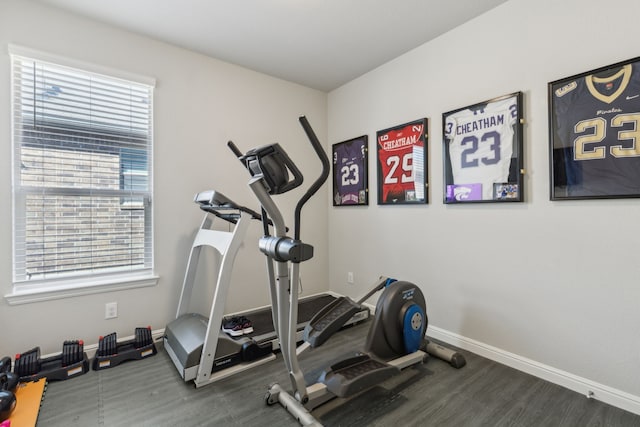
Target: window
{"type": "Point", "coordinates": [82, 176]}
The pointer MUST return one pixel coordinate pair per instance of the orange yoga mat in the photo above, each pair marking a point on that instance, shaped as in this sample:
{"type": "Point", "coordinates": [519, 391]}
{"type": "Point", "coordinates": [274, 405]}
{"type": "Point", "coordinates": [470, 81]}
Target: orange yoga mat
{"type": "Point", "coordinates": [28, 400]}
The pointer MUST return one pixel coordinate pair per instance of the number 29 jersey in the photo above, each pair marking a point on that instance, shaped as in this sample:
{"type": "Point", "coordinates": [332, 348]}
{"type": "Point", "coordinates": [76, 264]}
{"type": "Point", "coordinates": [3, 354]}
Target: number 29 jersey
{"type": "Point", "coordinates": [480, 143]}
{"type": "Point", "coordinates": [401, 163]}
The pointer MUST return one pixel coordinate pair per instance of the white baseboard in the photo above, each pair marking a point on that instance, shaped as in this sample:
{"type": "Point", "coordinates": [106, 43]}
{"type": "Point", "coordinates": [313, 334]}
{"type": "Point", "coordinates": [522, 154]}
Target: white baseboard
{"type": "Point", "coordinates": [590, 389]}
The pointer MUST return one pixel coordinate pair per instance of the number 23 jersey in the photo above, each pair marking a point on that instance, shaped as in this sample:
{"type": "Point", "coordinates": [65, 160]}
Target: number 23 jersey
{"type": "Point", "coordinates": [349, 163]}
{"type": "Point", "coordinates": [480, 143]}
{"type": "Point", "coordinates": [597, 128]}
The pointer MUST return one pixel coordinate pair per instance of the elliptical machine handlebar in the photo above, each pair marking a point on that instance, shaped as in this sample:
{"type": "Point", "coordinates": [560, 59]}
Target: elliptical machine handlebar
{"type": "Point", "coordinates": [271, 165]}
{"type": "Point", "coordinates": [317, 146]}
{"type": "Point", "coordinates": [234, 149]}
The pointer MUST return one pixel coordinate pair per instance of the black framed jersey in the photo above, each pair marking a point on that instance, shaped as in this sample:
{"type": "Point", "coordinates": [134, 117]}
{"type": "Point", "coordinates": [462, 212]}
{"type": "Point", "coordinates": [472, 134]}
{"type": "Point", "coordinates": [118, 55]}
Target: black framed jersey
{"type": "Point", "coordinates": [350, 172]}
{"type": "Point", "coordinates": [596, 145]}
{"type": "Point", "coordinates": [480, 147]}
{"type": "Point", "coordinates": [402, 163]}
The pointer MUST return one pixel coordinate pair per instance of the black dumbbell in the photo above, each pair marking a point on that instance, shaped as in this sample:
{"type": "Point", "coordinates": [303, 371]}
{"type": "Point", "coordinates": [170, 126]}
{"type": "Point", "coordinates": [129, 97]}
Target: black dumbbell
{"type": "Point", "coordinates": [8, 382]}
{"type": "Point", "coordinates": [28, 363]}
{"type": "Point", "coordinates": [7, 404]}
{"type": "Point", "coordinates": [5, 364]}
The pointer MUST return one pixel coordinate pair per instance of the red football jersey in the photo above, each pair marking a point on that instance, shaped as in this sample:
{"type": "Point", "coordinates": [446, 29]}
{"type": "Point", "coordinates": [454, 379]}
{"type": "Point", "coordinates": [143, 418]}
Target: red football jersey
{"type": "Point", "coordinates": [401, 163]}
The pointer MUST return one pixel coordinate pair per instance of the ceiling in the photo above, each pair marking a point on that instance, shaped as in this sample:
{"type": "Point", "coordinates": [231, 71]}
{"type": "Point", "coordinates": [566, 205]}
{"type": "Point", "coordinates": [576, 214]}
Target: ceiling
{"type": "Point", "coordinates": [321, 44]}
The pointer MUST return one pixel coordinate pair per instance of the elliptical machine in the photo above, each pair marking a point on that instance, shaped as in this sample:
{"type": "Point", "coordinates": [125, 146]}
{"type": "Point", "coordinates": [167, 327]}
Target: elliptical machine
{"type": "Point", "coordinates": [396, 339]}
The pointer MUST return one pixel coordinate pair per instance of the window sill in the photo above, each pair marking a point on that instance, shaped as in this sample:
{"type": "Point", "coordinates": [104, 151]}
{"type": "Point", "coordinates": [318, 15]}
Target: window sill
{"type": "Point", "coordinates": [48, 293]}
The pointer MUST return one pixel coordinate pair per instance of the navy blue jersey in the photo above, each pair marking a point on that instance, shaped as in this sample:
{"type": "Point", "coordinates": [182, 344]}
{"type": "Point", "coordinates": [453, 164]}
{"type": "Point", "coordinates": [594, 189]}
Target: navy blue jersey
{"type": "Point", "coordinates": [597, 126]}
{"type": "Point", "coordinates": [350, 173]}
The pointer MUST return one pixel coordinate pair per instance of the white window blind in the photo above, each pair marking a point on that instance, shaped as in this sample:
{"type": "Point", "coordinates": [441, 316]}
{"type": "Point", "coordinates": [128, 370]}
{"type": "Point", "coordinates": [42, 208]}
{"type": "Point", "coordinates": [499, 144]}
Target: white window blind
{"type": "Point", "coordinates": [81, 172]}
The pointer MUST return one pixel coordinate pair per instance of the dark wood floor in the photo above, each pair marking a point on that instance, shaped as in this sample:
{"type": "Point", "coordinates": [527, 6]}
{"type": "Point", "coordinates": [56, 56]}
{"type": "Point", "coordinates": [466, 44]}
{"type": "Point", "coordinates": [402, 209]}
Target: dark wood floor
{"type": "Point", "coordinates": [150, 392]}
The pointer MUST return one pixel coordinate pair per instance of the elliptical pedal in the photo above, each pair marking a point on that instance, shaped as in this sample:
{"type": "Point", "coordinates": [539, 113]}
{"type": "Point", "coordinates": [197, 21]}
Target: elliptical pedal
{"type": "Point", "coordinates": [329, 320]}
{"type": "Point", "coordinates": [356, 374]}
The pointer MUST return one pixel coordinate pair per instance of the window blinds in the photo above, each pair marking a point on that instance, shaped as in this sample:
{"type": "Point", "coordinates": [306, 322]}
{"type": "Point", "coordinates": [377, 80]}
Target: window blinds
{"type": "Point", "coordinates": [82, 172]}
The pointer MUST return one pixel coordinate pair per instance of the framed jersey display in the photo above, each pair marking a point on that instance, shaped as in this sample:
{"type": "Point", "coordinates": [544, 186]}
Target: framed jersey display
{"type": "Point", "coordinates": [483, 151]}
{"type": "Point", "coordinates": [402, 160]}
{"type": "Point", "coordinates": [594, 124]}
{"type": "Point", "coordinates": [350, 177]}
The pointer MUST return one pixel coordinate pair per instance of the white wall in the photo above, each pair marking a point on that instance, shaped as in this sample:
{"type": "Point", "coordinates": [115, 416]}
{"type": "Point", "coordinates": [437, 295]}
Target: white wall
{"type": "Point", "coordinates": [200, 103]}
{"type": "Point", "coordinates": [553, 285]}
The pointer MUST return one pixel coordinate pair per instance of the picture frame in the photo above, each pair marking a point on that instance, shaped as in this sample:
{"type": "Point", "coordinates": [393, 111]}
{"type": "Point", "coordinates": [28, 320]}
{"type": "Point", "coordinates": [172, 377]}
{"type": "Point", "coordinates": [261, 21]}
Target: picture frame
{"type": "Point", "coordinates": [350, 172]}
{"type": "Point", "coordinates": [483, 151]}
{"type": "Point", "coordinates": [594, 133]}
{"type": "Point", "coordinates": [402, 163]}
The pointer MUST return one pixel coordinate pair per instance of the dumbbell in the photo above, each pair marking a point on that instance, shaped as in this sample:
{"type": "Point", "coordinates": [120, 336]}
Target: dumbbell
{"type": "Point", "coordinates": [7, 404]}
{"type": "Point", "coordinates": [28, 363]}
{"type": "Point", "coordinates": [143, 337]}
{"type": "Point", "coordinates": [8, 380]}
{"type": "Point", "coordinates": [8, 383]}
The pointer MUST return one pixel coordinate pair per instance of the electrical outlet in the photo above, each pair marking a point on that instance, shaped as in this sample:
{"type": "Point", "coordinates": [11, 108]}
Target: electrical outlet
{"type": "Point", "coordinates": [111, 310]}
{"type": "Point", "coordinates": [350, 277]}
